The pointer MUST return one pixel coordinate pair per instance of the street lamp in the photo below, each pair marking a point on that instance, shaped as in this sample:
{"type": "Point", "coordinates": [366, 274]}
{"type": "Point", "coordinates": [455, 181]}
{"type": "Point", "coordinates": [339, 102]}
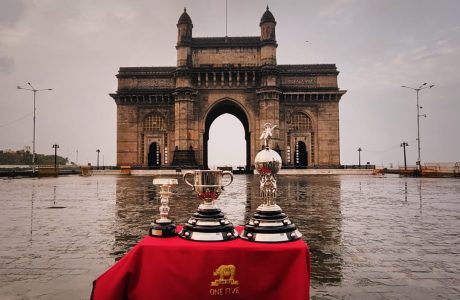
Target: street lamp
{"type": "Point", "coordinates": [34, 90]}
{"type": "Point", "coordinates": [98, 151]}
{"type": "Point", "coordinates": [404, 145]}
{"type": "Point", "coordinates": [359, 156]}
{"type": "Point", "coordinates": [55, 146]}
{"type": "Point", "coordinates": [417, 90]}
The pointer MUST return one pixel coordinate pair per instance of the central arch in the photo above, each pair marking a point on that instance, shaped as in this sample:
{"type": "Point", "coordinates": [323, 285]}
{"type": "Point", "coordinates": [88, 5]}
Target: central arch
{"type": "Point", "coordinates": [226, 107]}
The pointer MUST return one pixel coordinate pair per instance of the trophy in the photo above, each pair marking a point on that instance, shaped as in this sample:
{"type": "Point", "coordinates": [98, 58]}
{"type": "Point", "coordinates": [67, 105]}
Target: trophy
{"type": "Point", "coordinates": [269, 224]}
{"type": "Point", "coordinates": [163, 227]}
{"type": "Point", "coordinates": [208, 223]}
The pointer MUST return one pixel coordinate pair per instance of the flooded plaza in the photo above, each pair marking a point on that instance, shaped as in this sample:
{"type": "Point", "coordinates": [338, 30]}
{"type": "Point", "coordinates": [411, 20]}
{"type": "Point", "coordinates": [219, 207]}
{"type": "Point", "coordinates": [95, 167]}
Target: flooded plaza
{"type": "Point", "coordinates": [370, 237]}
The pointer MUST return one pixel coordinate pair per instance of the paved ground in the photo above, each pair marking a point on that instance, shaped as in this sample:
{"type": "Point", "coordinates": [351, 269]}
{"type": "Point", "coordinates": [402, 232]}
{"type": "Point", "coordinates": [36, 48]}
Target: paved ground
{"type": "Point", "coordinates": [370, 237]}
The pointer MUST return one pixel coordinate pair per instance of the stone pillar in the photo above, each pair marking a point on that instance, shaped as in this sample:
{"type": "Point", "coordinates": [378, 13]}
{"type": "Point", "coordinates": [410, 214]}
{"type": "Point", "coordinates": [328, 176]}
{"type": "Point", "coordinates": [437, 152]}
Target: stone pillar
{"type": "Point", "coordinates": [269, 112]}
{"type": "Point", "coordinates": [185, 116]}
{"type": "Point", "coordinates": [127, 135]}
{"type": "Point", "coordinates": [186, 135]}
{"type": "Point", "coordinates": [268, 96]}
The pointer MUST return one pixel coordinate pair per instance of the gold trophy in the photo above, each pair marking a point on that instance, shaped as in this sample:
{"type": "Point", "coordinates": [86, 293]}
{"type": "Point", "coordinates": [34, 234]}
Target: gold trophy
{"type": "Point", "coordinates": [208, 223]}
{"type": "Point", "coordinates": [163, 227]}
{"type": "Point", "coordinates": [269, 224]}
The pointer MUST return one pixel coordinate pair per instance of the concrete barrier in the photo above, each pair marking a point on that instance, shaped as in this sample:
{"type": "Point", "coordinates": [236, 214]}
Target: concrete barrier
{"type": "Point", "coordinates": [160, 172]}
{"type": "Point", "coordinates": [325, 172]}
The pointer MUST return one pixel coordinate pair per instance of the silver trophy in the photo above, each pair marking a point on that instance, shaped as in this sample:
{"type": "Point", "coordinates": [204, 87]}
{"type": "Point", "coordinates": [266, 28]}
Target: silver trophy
{"type": "Point", "coordinates": [269, 224]}
{"type": "Point", "coordinates": [208, 223]}
{"type": "Point", "coordinates": [164, 227]}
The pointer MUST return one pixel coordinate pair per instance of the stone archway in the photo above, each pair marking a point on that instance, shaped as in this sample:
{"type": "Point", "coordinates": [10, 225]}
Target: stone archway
{"type": "Point", "coordinates": [226, 107]}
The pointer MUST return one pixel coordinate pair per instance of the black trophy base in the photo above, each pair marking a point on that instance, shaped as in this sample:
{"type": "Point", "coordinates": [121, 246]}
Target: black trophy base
{"type": "Point", "coordinates": [267, 226]}
{"type": "Point", "coordinates": [163, 230]}
{"type": "Point", "coordinates": [208, 225]}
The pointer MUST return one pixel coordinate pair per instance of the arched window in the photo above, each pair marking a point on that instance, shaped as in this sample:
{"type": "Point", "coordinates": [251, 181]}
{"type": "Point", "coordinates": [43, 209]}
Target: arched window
{"type": "Point", "coordinates": [301, 122]}
{"type": "Point", "coordinates": [154, 122]}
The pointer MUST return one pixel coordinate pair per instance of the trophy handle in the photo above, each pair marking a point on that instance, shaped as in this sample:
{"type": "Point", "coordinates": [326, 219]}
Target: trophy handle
{"type": "Point", "coordinates": [231, 177]}
{"type": "Point", "coordinates": [185, 179]}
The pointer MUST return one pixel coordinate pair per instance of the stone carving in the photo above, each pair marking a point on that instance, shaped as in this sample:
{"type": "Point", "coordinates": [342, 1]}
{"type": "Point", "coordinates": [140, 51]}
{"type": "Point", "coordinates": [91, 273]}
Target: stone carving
{"type": "Point", "coordinates": [154, 83]}
{"type": "Point", "coordinates": [299, 81]}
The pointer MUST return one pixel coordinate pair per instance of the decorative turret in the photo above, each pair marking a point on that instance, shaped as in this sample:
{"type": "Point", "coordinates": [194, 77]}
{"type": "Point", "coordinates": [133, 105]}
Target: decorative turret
{"type": "Point", "coordinates": [267, 27]}
{"type": "Point", "coordinates": [184, 40]}
{"type": "Point", "coordinates": [184, 29]}
{"type": "Point", "coordinates": [268, 38]}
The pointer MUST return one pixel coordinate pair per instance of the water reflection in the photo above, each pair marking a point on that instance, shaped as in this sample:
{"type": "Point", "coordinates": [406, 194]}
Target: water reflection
{"type": "Point", "coordinates": [367, 234]}
{"type": "Point", "coordinates": [420, 194]}
{"type": "Point", "coordinates": [134, 212]}
{"type": "Point", "coordinates": [54, 206]}
{"type": "Point", "coordinates": [32, 198]}
{"type": "Point", "coordinates": [314, 206]}
{"type": "Point", "coordinates": [405, 192]}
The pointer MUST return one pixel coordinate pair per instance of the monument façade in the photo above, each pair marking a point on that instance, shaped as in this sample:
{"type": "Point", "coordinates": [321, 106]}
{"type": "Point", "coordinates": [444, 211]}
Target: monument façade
{"type": "Point", "coordinates": [164, 113]}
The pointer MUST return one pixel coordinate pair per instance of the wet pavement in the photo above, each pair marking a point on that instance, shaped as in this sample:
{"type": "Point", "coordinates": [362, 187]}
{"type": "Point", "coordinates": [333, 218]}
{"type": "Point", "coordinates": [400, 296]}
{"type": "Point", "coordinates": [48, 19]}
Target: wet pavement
{"type": "Point", "coordinates": [370, 237]}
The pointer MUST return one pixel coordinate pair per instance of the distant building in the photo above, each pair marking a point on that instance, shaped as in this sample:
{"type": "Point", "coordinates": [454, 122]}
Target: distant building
{"type": "Point", "coordinates": [164, 113]}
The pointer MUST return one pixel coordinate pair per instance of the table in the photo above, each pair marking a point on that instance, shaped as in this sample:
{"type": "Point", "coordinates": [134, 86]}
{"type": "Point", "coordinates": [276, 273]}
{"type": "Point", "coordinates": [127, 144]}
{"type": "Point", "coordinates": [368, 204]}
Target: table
{"type": "Point", "coordinates": [174, 268]}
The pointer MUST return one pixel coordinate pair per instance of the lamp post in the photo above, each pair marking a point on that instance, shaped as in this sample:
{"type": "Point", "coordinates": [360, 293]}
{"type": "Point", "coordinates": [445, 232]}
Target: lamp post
{"type": "Point", "coordinates": [359, 157]}
{"type": "Point", "coordinates": [417, 90]}
{"type": "Point", "coordinates": [98, 151]}
{"type": "Point", "coordinates": [404, 145]}
{"type": "Point", "coordinates": [55, 146]}
{"type": "Point", "coordinates": [34, 90]}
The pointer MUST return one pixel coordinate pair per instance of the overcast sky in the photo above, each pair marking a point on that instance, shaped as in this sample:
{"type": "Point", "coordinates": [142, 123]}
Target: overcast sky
{"type": "Point", "coordinates": [76, 47]}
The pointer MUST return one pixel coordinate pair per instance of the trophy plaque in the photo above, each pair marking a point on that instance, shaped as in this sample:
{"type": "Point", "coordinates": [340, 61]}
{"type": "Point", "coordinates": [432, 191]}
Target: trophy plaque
{"type": "Point", "coordinates": [269, 224]}
{"type": "Point", "coordinates": [163, 227]}
{"type": "Point", "coordinates": [208, 223]}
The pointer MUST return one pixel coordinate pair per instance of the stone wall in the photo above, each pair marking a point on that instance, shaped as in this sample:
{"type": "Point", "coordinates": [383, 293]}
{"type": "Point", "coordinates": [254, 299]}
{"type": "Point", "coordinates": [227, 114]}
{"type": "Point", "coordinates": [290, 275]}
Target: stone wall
{"type": "Point", "coordinates": [328, 134]}
{"type": "Point", "coordinates": [223, 56]}
{"type": "Point", "coordinates": [127, 135]}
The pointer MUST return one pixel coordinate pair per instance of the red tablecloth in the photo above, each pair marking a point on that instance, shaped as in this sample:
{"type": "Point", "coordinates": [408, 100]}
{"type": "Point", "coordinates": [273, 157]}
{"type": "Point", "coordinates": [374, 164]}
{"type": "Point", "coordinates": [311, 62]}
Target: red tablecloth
{"type": "Point", "coordinates": [173, 268]}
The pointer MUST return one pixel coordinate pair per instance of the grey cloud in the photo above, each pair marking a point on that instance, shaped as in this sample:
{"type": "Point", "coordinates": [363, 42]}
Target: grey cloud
{"type": "Point", "coordinates": [7, 64]}
{"type": "Point", "coordinates": [438, 52]}
{"type": "Point", "coordinates": [11, 11]}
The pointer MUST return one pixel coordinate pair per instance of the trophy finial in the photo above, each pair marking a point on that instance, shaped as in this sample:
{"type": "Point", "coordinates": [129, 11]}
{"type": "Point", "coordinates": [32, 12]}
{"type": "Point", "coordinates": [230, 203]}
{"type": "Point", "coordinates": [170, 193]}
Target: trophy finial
{"type": "Point", "coordinates": [267, 134]}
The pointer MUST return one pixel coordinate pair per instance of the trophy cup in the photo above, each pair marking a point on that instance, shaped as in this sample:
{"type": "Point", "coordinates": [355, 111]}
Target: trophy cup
{"type": "Point", "coordinates": [269, 224]}
{"type": "Point", "coordinates": [163, 227]}
{"type": "Point", "coordinates": [208, 223]}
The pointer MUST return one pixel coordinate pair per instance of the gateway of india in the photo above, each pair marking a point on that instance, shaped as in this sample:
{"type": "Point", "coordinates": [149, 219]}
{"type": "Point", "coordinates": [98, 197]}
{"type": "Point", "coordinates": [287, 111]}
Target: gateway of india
{"type": "Point", "coordinates": [164, 113]}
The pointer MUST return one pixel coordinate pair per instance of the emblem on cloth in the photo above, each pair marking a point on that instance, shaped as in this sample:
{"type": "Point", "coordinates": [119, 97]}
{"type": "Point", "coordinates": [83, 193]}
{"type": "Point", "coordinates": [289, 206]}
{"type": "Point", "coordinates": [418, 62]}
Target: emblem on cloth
{"type": "Point", "coordinates": [225, 274]}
